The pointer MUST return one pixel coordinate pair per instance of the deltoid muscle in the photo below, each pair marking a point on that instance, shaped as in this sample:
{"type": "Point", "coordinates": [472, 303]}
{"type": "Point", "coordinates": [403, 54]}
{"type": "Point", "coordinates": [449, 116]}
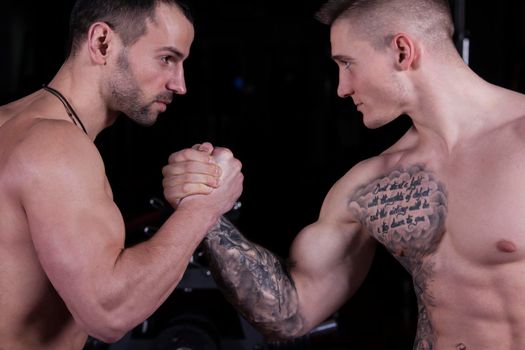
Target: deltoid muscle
{"type": "Point", "coordinates": [254, 280]}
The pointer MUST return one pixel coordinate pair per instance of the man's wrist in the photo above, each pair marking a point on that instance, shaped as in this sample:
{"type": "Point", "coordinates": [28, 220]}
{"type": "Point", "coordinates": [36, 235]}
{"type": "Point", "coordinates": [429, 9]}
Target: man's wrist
{"type": "Point", "coordinates": [221, 228]}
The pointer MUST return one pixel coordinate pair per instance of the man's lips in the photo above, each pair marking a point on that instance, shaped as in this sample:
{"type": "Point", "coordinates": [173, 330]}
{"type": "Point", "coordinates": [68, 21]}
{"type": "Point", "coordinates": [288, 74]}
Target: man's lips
{"type": "Point", "coordinates": [163, 104]}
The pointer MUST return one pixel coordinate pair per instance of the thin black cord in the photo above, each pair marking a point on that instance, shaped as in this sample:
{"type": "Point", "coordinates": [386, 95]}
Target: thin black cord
{"type": "Point", "coordinates": [70, 111]}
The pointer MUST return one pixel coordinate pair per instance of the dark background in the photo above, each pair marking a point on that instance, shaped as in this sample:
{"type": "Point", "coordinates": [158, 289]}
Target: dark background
{"type": "Point", "coordinates": [260, 81]}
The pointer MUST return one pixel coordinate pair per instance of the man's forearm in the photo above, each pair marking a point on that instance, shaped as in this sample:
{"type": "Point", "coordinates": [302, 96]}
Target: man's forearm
{"type": "Point", "coordinates": [255, 281]}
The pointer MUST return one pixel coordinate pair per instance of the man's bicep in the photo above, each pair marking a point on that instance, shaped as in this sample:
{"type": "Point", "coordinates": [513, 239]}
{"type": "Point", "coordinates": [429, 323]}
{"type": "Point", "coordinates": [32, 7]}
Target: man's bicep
{"type": "Point", "coordinates": [329, 263]}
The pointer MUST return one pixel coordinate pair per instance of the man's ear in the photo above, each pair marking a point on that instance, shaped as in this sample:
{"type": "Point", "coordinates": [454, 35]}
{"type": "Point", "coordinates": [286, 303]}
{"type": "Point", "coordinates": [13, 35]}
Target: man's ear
{"type": "Point", "coordinates": [100, 37]}
{"type": "Point", "coordinates": [406, 51]}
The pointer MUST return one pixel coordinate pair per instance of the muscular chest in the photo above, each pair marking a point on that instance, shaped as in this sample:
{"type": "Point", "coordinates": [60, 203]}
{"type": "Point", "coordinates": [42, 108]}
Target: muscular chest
{"type": "Point", "coordinates": [486, 206]}
{"type": "Point", "coordinates": [477, 201]}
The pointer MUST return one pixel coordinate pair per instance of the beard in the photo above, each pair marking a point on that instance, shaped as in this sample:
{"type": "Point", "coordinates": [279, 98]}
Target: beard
{"type": "Point", "coordinates": [128, 98]}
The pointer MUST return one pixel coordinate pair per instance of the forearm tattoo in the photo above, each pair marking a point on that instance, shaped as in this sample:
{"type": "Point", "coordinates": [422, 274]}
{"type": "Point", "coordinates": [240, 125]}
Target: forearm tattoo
{"type": "Point", "coordinates": [254, 280]}
{"type": "Point", "coordinates": [405, 211]}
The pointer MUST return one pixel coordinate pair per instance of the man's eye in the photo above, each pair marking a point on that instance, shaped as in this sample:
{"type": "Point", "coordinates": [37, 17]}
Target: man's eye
{"type": "Point", "coordinates": [346, 65]}
{"type": "Point", "coordinates": [165, 59]}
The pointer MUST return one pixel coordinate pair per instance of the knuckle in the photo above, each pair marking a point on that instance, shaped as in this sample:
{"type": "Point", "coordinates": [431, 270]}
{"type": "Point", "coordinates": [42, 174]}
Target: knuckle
{"type": "Point", "coordinates": [216, 170]}
{"type": "Point", "coordinates": [185, 152]}
{"type": "Point", "coordinates": [188, 153]}
{"type": "Point", "coordinates": [211, 181]}
{"type": "Point", "coordinates": [237, 164]}
{"type": "Point", "coordinates": [205, 189]}
{"type": "Point", "coordinates": [166, 170]}
{"type": "Point", "coordinates": [171, 158]}
{"type": "Point", "coordinates": [174, 157]}
{"type": "Point", "coordinates": [186, 188]}
{"type": "Point", "coordinates": [224, 152]}
{"type": "Point", "coordinates": [169, 183]}
{"type": "Point", "coordinates": [167, 194]}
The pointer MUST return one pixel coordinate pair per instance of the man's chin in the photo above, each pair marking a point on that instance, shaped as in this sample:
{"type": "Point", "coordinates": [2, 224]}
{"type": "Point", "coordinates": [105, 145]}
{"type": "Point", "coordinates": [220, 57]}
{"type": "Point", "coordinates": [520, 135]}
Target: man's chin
{"type": "Point", "coordinates": [149, 121]}
{"type": "Point", "coordinates": [373, 123]}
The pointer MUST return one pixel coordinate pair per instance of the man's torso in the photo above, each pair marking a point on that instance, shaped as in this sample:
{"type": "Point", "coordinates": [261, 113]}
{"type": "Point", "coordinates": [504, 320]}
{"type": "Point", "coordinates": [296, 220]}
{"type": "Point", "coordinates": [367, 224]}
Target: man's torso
{"type": "Point", "coordinates": [456, 223]}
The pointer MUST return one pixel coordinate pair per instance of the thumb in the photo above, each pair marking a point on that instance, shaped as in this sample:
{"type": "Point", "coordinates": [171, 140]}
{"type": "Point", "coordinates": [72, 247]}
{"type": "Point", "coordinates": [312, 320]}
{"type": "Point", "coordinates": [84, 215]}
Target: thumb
{"type": "Point", "coordinates": [204, 147]}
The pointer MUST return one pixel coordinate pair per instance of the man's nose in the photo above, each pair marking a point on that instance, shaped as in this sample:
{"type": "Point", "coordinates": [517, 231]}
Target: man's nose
{"type": "Point", "coordinates": [177, 83]}
{"type": "Point", "coordinates": [345, 87]}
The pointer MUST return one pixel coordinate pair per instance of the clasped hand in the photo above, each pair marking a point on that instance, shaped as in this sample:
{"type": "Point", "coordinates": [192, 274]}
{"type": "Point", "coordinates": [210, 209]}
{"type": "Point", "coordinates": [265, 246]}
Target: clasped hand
{"type": "Point", "coordinates": [204, 174]}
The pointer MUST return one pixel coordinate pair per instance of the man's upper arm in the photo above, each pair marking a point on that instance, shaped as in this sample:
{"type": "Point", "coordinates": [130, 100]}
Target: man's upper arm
{"type": "Point", "coordinates": [76, 229]}
{"type": "Point", "coordinates": [331, 257]}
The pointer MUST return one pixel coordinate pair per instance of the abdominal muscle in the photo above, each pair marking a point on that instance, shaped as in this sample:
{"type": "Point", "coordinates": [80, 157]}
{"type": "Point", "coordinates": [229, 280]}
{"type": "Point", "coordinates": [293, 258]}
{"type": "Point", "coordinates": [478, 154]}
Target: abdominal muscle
{"type": "Point", "coordinates": [475, 305]}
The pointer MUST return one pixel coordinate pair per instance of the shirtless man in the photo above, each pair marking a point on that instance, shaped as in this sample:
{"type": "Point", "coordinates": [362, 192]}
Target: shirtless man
{"type": "Point", "coordinates": [446, 200]}
{"type": "Point", "coordinates": [65, 272]}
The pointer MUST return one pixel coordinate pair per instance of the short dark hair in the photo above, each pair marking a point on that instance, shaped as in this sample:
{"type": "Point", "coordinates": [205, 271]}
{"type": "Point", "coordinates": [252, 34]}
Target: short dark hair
{"type": "Point", "coordinates": [125, 17]}
{"type": "Point", "coordinates": [429, 18]}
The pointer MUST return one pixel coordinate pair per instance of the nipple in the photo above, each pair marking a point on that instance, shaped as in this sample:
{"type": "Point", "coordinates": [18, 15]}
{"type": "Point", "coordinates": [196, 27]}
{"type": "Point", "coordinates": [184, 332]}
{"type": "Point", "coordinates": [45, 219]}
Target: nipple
{"type": "Point", "coordinates": [506, 246]}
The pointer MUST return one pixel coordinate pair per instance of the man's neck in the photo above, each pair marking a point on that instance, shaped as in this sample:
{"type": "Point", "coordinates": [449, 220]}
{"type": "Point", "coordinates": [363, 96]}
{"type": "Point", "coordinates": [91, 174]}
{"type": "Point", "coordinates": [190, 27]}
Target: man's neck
{"type": "Point", "coordinates": [454, 105]}
{"type": "Point", "coordinates": [81, 90]}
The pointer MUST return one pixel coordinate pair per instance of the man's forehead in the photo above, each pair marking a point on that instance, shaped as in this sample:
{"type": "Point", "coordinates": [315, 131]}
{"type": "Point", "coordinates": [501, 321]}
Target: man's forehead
{"type": "Point", "coordinates": [342, 28]}
{"type": "Point", "coordinates": [169, 29]}
{"type": "Point", "coordinates": [346, 38]}
{"type": "Point", "coordinates": [340, 36]}
{"type": "Point", "coordinates": [168, 16]}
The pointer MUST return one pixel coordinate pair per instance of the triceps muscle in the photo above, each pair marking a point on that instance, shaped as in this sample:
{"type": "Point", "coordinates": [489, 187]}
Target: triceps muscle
{"type": "Point", "coordinates": [255, 281]}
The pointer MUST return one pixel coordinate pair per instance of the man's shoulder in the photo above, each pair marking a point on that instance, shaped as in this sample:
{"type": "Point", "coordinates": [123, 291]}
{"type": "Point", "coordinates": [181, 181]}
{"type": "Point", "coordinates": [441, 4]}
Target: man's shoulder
{"type": "Point", "coordinates": [365, 172]}
{"type": "Point", "coordinates": [518, 125]}
{"type": "Point", "coordinates": [13, 108]}
{"type": "Point", "coordinates": [39, 144]}
{"type": "Point", "coordinates": [373, 167]}
{"type": "Point", "coordinates": [509, 113]}
{"type": "Point", "coordinates": [47, 134]}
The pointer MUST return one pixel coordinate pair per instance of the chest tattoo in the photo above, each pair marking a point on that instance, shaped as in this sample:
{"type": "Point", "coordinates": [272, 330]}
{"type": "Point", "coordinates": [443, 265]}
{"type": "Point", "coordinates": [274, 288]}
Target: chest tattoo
{"type": "Point", "coordinates": [405, 210]}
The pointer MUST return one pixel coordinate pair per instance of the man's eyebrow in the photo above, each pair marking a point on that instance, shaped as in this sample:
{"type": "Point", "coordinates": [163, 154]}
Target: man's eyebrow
{"type": "Point", "coordinates": [341, 58]}
{"type": "Point", "coordinates": [173, 50]}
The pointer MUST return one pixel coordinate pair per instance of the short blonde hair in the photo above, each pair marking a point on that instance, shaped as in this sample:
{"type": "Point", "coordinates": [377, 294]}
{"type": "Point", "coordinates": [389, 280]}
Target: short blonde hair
{"type": "Point", "coordinates": [378, 20]}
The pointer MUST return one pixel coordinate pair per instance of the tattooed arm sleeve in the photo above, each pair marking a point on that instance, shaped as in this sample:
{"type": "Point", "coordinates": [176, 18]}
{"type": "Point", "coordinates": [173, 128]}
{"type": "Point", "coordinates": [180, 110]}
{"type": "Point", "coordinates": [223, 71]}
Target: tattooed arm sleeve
{"type": "Point", "coordinates": [255, 281]}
